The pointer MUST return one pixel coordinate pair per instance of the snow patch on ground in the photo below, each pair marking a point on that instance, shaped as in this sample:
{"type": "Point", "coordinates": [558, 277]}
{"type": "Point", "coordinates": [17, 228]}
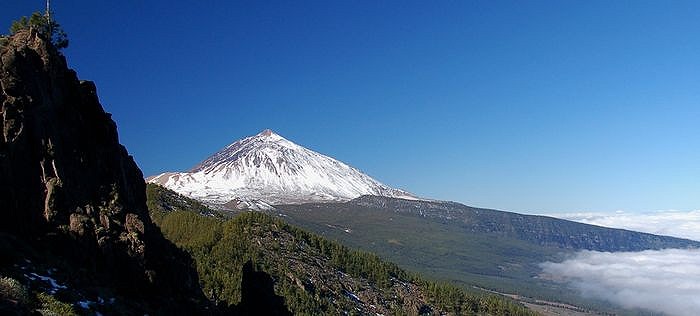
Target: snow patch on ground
{"type": "Point", "coordinates": [84, 304]}
{"type": "Point", "coordinates": [54, 285]}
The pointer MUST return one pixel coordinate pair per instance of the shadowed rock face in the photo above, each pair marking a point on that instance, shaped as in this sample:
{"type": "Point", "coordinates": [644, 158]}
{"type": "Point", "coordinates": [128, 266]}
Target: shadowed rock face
{"type": "Point", "coordinates": [258, 295]}
{"type": "Point", "coordinates": [65, 181]}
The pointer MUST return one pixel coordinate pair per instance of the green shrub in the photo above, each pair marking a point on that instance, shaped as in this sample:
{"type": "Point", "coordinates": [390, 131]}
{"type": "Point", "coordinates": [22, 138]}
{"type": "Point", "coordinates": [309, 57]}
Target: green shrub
{"type": "Point", "coordinates": [49, 305]}
{"type": "Point", "coordinates": [13, 290]}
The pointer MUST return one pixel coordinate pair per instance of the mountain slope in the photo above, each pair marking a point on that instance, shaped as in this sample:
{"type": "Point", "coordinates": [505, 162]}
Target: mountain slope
{"type": "Point", "coordinates": [469, 246]}
{"type": "Point", "coordinates": [272, 169]}
{"type": "Point", "coordinates": [311, 274]}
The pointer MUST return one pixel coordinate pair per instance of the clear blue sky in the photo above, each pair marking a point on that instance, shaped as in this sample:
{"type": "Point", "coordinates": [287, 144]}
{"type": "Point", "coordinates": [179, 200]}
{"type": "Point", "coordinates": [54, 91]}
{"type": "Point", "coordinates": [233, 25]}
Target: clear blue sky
{"type": "Point", "coordinates": [530, 106]}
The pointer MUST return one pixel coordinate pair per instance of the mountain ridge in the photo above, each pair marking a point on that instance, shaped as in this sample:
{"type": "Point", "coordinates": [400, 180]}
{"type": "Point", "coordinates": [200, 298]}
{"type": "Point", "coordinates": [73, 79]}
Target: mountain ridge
{"type": "Point", "coordinates": [573, 234]}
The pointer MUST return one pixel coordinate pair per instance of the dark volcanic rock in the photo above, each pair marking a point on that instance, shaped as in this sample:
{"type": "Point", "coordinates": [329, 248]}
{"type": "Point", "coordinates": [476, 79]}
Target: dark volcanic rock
{"type": "Point", "coordinates": [69, 188]}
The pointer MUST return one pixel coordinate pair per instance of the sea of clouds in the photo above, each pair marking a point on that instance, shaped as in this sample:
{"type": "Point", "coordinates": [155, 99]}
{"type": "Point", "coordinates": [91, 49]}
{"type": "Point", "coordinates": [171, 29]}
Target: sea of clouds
{"type": "Point", "coordinates": [665, 281]}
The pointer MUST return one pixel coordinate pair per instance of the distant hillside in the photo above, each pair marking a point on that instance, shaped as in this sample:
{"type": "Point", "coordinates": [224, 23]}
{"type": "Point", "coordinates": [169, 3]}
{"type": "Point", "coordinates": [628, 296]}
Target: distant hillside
{"type": "Point", "coordinates": [540, 230]}
{"type": "Point", "coordinates": [161, 201]}
{"type": "Point", "coordinates": [310, 274]}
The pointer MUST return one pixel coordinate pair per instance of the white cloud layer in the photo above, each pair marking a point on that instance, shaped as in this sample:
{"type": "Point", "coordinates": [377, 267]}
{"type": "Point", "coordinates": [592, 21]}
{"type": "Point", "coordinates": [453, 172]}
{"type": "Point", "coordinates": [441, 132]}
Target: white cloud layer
{"type": "Point", "coordinates": [666, 281]}
{"type": "Point", "coordinates": [669, 223]}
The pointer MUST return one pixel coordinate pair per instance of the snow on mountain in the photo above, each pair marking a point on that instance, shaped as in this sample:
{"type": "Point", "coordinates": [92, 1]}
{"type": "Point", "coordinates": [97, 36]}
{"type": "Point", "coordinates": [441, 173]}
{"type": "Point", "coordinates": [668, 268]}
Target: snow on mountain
{"type": "Point", "coordinates": [271, 169]}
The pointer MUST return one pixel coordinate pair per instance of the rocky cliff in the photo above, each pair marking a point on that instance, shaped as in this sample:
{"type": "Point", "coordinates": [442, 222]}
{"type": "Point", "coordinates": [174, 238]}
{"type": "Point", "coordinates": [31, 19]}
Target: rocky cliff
{"type": "Point", "coordinates": [71, 193]}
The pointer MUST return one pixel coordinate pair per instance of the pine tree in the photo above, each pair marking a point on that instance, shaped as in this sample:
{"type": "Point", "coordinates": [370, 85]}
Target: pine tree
{"type": "Point", "coordinates": [45, 25]}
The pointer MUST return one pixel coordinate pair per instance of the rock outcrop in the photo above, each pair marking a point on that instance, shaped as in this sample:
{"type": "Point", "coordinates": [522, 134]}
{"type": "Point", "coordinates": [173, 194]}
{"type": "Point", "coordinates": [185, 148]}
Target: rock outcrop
{"type": "Point", "coordinates": [69, 188]}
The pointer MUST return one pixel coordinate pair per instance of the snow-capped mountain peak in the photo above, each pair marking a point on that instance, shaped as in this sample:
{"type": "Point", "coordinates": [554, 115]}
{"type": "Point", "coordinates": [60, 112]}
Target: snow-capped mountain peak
{"type": "Point", "coordinates": [266, 141]}
{"type": "Point", "coordinates": [272, 169]}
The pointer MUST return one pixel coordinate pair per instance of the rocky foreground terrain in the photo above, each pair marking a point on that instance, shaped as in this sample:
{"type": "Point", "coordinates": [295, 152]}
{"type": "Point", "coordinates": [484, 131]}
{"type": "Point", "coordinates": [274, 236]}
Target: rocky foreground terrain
{"type": "Point", "coordinates": [73, 209]}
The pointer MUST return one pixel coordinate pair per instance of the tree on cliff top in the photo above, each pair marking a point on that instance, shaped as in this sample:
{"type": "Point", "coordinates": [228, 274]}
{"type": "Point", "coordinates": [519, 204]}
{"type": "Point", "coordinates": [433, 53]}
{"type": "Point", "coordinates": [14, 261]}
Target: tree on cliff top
{"type": "Point", "coordinates": [44, 25]}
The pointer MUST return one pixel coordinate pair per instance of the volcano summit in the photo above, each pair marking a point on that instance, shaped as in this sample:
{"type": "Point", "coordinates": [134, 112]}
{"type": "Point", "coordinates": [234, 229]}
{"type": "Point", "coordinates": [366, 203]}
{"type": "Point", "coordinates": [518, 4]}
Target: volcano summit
{"type": "Point", "coordinates": [269, 168]}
